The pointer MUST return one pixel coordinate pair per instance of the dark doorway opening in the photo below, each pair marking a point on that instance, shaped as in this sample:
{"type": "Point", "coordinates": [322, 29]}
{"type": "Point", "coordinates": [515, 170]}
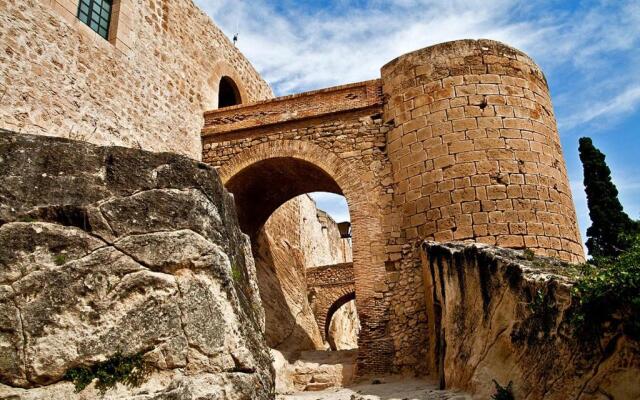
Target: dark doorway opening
{"type": "Point", "coordinates": [228, 93]}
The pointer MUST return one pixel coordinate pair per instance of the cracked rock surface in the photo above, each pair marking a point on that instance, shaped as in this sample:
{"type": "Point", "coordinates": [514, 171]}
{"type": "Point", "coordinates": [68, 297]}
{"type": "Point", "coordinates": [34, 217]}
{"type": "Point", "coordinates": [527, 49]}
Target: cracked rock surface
{"type": "Point", "coordinates": [108, 250]}
{"type": "Point", "coordinates": [500, 314]}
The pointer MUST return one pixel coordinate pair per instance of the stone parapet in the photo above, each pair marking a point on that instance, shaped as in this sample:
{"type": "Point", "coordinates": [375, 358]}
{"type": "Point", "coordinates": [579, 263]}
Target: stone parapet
{"type": "Point", "coordinates": [328, 275]}
{"type": "Point", "coordinates": [317, 103]}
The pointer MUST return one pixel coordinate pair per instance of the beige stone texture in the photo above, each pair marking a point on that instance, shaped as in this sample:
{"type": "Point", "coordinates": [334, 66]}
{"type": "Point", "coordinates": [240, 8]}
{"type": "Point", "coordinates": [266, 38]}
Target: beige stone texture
{"type": "Point", "coordinates": [345, 327]}
{"type": "Point", "coordinates": [312, 371]}
{"type": "Point", "coordinates": [123, 251]}
{"type": "Point", "coordinates": [295, 238]}
{"type": "Point", "coordinates": [504, 315]}
{"type": "Point", "coordinates": [280, 264]}
{"type": "Point", "coordinates": [148, 89]}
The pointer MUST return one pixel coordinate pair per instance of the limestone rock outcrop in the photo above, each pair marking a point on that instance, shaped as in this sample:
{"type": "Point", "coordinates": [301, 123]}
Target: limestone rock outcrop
{"type": "Point", "coordinates": [345, 327]}
{"type": "Point", "coordinates": [280, 264]}
{"type": "Point", "coordinates": [108, 250]}
{"type": "Point", "coordinates": [505, 315]}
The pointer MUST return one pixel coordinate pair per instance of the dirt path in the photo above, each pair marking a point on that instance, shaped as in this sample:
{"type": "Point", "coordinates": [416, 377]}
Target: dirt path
{"type": "Point", "coordinates": [405, 389]}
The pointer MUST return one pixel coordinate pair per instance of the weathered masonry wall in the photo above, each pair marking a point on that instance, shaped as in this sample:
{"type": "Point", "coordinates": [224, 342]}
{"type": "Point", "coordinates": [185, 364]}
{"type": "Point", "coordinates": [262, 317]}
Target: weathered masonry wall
{"type": "Point", "coordinates": [146, 87]}
{"type": "Point", "coordinates": [342, 141]}
{"type": "Point", "coordinates": [456, 142]}
{"type": "Point", "coordinates": [475, 150]}
{"type": "Point", "coordinates": [330, 286]}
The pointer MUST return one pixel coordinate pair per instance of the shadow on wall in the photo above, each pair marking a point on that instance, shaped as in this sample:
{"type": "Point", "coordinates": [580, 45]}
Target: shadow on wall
{"type": "Point", "coordinates": [290, 325]}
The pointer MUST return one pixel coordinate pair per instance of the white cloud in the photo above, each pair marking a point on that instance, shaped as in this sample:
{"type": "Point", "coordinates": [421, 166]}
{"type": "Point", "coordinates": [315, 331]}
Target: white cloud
{"type": "Point", "coordinates": [621, 103]}
{"type": "Point", "coordinates": [334, 204]}
{"type": "Point", "coordinates": [297, 49]}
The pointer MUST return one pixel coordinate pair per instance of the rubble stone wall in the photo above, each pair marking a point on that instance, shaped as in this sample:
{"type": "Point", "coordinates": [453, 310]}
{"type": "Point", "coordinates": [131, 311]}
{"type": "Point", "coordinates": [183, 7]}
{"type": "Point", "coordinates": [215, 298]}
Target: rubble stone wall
{"type": "Point", "coordinates": [148, 89]}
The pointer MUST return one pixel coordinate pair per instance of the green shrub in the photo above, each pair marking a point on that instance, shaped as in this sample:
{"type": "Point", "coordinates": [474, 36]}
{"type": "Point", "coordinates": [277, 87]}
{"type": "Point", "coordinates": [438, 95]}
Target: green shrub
{"type": "Point", "coordinates": [503, 393]}
{"type": "Point", "coordinates": [529, 254]}
{"type": "Point", "coordinates": [130, 371]}
{"type": "Point", "coordinates": [609, 289]}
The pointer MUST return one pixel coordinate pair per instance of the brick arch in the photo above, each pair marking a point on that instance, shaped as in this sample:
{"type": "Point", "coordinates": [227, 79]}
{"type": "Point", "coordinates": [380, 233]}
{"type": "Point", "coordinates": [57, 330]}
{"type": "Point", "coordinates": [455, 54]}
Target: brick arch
{"type": "Point", "coordinates": [343, 298]}
{"type": "Point", "coordinates": [365, 224]}
{"type": "Point", "coordinates": [330, 286]}
{"type": "Point", "coordinates": [220, 70]}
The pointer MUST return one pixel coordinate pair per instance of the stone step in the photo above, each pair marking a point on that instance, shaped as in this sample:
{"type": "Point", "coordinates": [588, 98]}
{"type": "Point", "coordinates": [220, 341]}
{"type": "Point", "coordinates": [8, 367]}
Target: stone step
{"type": "Point", "coordinates": [318, 386]}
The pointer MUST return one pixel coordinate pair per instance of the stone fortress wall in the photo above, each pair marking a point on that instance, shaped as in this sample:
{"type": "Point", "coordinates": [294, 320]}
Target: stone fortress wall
{"type": "Point", "coordinates": [145, 87]}
{"type": "Point", "coordinates": [475, 150]}
{"type": "Point", "coordinates": [457, 141]}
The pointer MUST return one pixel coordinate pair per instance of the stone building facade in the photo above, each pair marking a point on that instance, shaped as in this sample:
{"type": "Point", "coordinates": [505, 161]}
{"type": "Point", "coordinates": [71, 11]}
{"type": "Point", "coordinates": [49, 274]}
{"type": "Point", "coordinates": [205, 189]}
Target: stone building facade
{"type": "Point", "coordinates": [457, 141]}
{"type": "Point", "coordinates": [145, 86]}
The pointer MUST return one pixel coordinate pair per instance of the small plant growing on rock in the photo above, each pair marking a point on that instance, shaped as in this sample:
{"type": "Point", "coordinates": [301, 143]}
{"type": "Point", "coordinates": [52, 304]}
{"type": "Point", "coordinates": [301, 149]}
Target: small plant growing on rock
{"type": "Point", "coordinates": [529, 254]}
{"type": "Point", "coordinates": [235, 273]}
{"type": "Point", "coordinates": [128, 370]}
{"type": "Point", "coordinates": [60, 259]}
{"type": "Point", "coordinates": [502, 392]}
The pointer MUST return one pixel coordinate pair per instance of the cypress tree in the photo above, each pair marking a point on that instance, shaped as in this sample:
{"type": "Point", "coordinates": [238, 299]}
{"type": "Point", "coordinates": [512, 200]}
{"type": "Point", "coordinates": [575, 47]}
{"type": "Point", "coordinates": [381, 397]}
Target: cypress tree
{"type": "Point", "coordinates": [609, 223]}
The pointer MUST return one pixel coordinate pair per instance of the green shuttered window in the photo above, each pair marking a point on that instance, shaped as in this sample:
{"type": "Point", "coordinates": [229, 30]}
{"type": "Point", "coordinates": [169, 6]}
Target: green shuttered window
{"type": "Point", "coordinates": [96, 14]}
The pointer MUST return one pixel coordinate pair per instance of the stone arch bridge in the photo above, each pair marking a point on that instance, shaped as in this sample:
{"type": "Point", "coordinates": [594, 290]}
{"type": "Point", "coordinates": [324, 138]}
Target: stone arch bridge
{"type": "Point", "coordinates": [456, 141]}
{"type": "Point", "coordinates": [329, 288]}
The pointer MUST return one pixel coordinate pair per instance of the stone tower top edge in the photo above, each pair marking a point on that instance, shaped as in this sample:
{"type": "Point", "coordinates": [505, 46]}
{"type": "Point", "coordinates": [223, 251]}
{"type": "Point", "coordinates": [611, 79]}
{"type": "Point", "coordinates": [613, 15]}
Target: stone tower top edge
{"type": "Point", "coordinates": [461, 48]}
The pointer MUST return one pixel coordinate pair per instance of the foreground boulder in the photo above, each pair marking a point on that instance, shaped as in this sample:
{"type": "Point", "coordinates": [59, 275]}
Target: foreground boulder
{"type": "Point", "coordinates": [505, 315]}
{"type": "Point", "coordinates": [109, 253]}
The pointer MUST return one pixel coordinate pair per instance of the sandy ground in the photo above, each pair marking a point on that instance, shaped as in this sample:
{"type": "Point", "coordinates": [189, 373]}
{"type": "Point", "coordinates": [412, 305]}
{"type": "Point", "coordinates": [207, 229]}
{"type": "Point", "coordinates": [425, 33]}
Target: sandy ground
{"type": "Point", "coordinates": [405, 389]}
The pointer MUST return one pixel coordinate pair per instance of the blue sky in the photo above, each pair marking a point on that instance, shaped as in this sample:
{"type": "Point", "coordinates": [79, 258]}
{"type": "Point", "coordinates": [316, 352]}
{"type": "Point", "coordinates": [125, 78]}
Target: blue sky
{"type": "Point", "coordinates": [589, 50]}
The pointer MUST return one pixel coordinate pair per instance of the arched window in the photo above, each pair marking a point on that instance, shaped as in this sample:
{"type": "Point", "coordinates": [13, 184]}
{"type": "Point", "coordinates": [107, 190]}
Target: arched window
{"type": "Point", "coordinates": [228, 93]}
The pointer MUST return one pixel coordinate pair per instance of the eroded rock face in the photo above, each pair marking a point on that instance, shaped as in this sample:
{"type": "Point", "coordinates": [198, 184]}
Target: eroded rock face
{"type": "Point", "coordinates": [345, 327]}
{"type": "Point", "coordinates": [500, 314]}
{"type": "Point", "coordinates": [107, 250]}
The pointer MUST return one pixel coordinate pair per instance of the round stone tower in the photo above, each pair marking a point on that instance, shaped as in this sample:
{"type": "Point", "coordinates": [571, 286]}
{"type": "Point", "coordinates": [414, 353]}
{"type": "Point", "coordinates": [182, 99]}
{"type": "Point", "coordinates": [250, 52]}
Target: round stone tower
{"type": "Point", "coordinates": [475, 150]}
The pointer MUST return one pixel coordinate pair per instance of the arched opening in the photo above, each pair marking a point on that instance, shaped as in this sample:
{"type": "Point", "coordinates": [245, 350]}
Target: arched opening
{"type": "Point", "coordinates": [342, 324]}
{"type": "Point", "coordinates": [290, 235]}
{"type": "Point", "coordinates": [261, 188]}
{"type": "Point", "coordinates": [266, 175]}
{"type": "Point", "coordinates": [228, 93]}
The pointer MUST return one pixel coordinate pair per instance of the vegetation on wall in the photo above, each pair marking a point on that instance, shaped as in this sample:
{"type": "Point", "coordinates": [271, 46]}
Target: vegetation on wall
{"type": "Point", "coordinates": [609, 289]}
{"type": "Point", "coordinates": [127, 370]}
{"type": "Point", "coordinates": [609, 233]}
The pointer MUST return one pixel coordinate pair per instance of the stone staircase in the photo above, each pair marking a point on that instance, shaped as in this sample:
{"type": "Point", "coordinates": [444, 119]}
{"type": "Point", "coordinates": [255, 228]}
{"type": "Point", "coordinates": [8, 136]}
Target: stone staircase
{"type": "Point", "coordinates": [312, 371]}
